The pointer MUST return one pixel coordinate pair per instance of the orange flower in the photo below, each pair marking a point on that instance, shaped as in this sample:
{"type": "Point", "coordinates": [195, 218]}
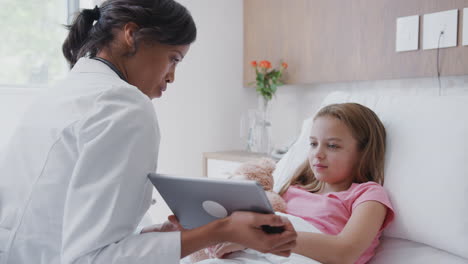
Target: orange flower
{"type": "Point", "coordinates": [267, 78]}
{"type": "Point", "coordinates": [265, 64]}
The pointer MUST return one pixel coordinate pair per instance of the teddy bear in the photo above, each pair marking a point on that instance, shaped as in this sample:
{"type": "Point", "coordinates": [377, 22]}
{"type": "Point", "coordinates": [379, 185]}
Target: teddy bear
{"type": "Point", "coordinates": [260, 170]}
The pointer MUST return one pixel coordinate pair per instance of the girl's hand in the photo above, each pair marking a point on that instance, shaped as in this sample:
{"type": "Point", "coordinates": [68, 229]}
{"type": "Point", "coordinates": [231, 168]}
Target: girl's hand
{"type": "Point", "coordinates": [244, 228]}
{"type": "Point", "coordinates": [168, 226]}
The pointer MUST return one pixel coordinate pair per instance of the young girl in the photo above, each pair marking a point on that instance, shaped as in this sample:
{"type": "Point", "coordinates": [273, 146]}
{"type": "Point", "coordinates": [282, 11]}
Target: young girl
{"type": "Point", "coordinates": [338, 188]}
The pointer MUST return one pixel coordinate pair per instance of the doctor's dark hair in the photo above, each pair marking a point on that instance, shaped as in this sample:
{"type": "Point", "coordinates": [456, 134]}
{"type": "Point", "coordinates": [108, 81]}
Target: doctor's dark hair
{"type": "Point", "coordinates": [159, 21]}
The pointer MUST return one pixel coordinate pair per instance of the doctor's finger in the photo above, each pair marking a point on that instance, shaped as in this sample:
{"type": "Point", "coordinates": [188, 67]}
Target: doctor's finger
{"type": "Point", "coordinates": [288, 234]}
{"type": "Point", "coordinates": [271, 220]}
{"type": "Point", "coordinates": [285, 247]}
{"type": "Point", "coordinates": [227, 248]}
{"type": "Point", "coordinates": [287, 224]}
{"type": "Point", "coordinates": [169, 227]}
{"type": "Point", "coordinates": [255, 219]}
{"type": "Point", "coordinates": [173, 219]}
{"type": "Point", "coordinates": [283, 239]}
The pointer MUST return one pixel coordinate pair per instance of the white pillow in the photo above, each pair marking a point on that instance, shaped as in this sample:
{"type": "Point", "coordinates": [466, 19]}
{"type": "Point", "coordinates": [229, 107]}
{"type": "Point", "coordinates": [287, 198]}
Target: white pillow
{"type": "Point", "coordinates": [295, 156]}
{"type": "Point", "coordinates": [395, 250]}
{"type": "Point", "coordinates": [426, 170]}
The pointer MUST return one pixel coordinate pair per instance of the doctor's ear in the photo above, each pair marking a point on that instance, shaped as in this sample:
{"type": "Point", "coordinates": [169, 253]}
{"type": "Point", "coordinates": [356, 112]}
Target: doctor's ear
{"type": "Point", "coordinates": [129, 32]}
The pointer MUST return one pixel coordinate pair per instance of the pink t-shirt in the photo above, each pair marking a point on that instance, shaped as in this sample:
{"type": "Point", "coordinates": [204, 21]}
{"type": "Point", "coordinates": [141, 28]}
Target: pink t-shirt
{"type": "Point", "coordinates": [330, 212]}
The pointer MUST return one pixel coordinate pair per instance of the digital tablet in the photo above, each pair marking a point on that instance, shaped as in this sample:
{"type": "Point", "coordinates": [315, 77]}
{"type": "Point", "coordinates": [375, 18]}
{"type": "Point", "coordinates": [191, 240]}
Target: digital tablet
{"type": "Point", "coordinates": [198, 201]}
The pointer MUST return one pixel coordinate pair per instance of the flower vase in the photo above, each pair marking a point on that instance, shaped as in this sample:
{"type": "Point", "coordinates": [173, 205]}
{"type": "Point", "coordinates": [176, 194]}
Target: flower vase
{"type": "Point", "coordinates": [260, 133]}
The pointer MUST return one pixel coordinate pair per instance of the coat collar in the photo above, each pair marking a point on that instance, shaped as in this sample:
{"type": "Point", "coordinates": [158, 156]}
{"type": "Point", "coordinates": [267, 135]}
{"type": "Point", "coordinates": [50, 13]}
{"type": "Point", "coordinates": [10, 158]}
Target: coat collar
{"type": "Point", "coordinates": [86, 65]}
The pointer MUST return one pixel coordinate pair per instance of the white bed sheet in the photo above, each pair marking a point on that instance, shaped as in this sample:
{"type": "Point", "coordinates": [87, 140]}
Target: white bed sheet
{"type": "Point", "coordinates": [254, 257]}
{"type": "Point", "coordinates": [395, 250]}
{"type": "Point", "coordinates": [390, 251]}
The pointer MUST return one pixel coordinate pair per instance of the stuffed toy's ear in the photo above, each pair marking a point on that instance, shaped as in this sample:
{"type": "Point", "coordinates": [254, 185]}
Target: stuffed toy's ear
{"type": "Point", "coordinates": [261, 166]}
{"type": "Point", "coordinates": [276, 201]}
{"type": "Point", "coordinates": [260, 170]}
{"type": "Point", "coordinates": [267, 164]}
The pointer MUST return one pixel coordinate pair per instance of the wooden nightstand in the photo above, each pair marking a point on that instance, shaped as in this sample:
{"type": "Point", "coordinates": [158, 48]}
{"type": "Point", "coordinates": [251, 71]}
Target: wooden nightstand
{"type": "Point", "coordinates": [221, 164]}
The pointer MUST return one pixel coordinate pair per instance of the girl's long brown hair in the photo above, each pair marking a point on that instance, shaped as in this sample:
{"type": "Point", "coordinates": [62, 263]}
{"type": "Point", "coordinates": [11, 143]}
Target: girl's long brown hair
{"type": "Point", "coordinates": [369, 132]}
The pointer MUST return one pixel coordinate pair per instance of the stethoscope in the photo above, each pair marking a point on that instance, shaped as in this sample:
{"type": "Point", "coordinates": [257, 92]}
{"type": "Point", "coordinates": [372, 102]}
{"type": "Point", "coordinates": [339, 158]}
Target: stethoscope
{"type": "Point", "coordinates": [112, 67]}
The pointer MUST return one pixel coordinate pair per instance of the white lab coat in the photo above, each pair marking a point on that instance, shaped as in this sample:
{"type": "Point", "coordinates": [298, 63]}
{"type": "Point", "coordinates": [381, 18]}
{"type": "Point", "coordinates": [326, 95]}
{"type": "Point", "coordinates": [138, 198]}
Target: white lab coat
{"type": "Point", "coordinates": [73, 182]}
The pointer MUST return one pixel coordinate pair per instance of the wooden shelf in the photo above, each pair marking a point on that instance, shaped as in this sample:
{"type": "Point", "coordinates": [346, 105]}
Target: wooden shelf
{"type": "Point", "coordinates": [336, 40]}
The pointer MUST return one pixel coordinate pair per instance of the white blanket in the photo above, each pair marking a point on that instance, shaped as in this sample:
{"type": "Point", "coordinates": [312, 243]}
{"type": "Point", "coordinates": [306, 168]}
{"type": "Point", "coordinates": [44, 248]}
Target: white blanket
{"type": "Point", "coordinates": [254, 257]}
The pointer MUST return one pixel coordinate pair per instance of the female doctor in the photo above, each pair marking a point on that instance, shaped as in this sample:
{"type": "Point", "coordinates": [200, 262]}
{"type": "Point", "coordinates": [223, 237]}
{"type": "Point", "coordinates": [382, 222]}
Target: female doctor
{"type": "Point", "coordinates": [73, 186]}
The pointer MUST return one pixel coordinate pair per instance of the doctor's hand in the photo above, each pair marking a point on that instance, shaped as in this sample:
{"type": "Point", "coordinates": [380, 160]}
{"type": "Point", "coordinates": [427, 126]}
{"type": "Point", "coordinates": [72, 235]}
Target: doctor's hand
{"type": "Point", "coordinates": [171, 225]}
{"type": "Point", "coordinates": [224, 249]}
{"type": "Point", "coordinates": [175, 222]}
{"type": "Point", "coordinates": [246, 229]}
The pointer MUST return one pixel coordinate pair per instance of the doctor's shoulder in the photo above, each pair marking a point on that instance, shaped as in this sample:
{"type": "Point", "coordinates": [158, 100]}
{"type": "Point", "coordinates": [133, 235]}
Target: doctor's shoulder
{"type": "Point", "coordinates": [119, 118]}
{"type": "Point", "coordinates": [125, 101]}
{"type": "Point", "coordinates": [99, 95]}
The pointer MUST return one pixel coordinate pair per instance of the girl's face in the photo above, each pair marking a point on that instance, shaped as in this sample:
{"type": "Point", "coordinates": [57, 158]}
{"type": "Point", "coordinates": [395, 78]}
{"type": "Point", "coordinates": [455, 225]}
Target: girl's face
{"type": "Point", "coordinates": [333, 154]}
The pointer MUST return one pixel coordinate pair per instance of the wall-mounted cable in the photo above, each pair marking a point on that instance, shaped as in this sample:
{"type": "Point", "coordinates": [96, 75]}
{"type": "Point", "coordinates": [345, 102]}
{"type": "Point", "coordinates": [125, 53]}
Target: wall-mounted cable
{"type": "Point", "coordinates": [438, 62]}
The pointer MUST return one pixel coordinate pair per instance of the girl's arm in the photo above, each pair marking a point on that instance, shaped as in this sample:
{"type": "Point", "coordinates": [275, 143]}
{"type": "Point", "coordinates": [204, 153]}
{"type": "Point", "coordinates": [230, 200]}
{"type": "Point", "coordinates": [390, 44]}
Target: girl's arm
{"type": "Point", "coordinates": [346, 247]}
{"type": "Point", "coordinates": [242, 228]}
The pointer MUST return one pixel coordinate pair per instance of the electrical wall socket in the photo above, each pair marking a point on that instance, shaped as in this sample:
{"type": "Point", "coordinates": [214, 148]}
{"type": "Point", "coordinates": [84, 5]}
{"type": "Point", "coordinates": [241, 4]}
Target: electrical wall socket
{"type": "Point", "coordinates": [465, 26]}
{"type": "Point", "coordinates": [434, 24]}
{"type": "Point", "coordinates": [407, 33]}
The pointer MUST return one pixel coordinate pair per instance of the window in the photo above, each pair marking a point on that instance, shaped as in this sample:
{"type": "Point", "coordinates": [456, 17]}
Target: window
{"type": "Point", "coordinates": [33, 32]}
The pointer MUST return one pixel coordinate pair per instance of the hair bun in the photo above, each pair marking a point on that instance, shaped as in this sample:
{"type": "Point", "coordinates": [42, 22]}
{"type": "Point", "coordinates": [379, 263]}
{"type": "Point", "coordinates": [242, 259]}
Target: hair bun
{"type": "Point", "coordinates": [96, 13]}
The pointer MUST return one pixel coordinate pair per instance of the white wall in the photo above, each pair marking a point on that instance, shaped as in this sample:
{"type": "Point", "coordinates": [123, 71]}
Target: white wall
{"type": "Point", "coordinates": [312, 95]}
{"type": "Point", "coordinates": [201, 110]}
{"type": "Point", "coordinates": [294, 103]}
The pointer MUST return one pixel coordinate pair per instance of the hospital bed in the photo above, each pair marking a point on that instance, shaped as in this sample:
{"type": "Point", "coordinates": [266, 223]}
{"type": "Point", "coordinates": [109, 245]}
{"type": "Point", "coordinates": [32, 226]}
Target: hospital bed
{"type": "Point", "coordinates": [426, 175]}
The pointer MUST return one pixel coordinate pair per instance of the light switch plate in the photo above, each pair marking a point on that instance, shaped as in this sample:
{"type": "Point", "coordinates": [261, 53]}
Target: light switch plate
{"type": "Point", "coordinates": [407, 33]}
{"type": "Point", "coordinates": [434, 23]}
{"type": "Point", "coordinates": [465, 26]}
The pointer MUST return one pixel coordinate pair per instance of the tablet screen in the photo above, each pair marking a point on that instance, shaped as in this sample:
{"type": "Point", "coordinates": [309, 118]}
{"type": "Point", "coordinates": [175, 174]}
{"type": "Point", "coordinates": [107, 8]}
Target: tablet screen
{"type": "Point", "coordinates": [198, 201]}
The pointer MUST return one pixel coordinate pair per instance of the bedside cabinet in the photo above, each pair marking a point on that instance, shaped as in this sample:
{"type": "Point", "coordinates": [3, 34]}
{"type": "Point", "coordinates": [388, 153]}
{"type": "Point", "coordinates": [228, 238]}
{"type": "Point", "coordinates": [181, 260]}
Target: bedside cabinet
{"type": "Point", "coordinates": [224, 163]}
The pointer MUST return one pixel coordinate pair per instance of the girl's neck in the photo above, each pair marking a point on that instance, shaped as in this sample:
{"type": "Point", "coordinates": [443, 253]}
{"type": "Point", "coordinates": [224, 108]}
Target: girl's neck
{"type": "Point", "coordinates": [336, 187]}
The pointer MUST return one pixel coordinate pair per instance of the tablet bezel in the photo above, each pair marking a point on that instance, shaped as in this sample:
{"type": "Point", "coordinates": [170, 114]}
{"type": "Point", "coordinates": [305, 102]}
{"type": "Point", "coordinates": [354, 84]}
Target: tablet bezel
{"type": "Point", "coordinates": [185, 195]}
